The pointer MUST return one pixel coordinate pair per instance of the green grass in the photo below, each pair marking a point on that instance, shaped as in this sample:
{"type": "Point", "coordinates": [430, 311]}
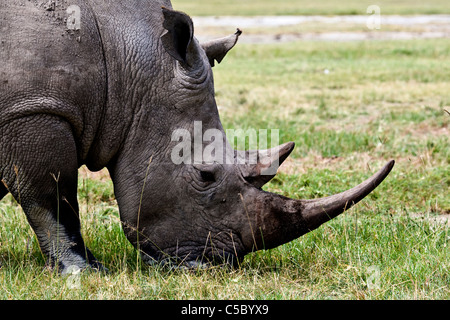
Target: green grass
{"type": "Point", "coordinates": [362, 255]}
{"type": "Point", "coordinates": [299, 7]}
{"type": "Point", "coordinates": [380, 100]}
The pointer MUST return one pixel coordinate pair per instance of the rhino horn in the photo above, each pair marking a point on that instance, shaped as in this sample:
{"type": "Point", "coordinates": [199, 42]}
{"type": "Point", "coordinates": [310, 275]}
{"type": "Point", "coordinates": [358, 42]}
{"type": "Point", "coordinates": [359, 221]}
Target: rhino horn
{"type": "Point", "coordinates": [218, 48]}
{"type": "Point", "coordinates": [279, 219]}
{"type": "Point", "coordinates": [267, 162]}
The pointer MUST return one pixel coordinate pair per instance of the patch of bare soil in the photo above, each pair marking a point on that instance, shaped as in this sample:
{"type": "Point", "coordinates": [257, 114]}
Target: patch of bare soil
{"type": "Point", "coordinates": [102, 175]}
{"type": "Point", "coordinates": [441, 219]}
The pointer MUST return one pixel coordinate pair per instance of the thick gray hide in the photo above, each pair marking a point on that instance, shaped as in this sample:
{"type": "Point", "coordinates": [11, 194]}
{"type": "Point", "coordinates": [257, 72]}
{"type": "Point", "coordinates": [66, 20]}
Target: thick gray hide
{"type": "Point", "coordinates": [105, 83]}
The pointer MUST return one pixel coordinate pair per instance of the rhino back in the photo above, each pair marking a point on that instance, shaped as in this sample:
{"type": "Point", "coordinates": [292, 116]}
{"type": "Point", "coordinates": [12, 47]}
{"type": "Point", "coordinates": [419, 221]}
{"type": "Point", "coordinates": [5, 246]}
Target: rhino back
{"type": "Point", "coordinates": [49, 67]}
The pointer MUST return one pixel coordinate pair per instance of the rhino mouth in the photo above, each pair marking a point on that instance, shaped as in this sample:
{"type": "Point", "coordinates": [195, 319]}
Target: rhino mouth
{"type": "Point", "coordinates": [201, 258]}
{"type": "Point", "coordinates": [191, 264]}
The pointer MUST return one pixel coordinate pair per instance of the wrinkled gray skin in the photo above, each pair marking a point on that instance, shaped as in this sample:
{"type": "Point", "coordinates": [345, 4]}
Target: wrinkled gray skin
{"type": "Point", "coordinates": [110, 95]}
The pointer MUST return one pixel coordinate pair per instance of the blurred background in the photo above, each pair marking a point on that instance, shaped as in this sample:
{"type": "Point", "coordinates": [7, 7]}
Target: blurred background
{"type": "Point", "coordinates": [268, 21]}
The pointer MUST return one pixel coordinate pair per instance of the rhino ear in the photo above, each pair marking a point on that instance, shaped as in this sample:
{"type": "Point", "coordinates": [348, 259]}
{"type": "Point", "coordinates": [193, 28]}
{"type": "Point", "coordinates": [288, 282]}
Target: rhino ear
{"type": "Point", "coordinates": [217, 49]}
{"type": "Point", "coordinates": [179, 34]}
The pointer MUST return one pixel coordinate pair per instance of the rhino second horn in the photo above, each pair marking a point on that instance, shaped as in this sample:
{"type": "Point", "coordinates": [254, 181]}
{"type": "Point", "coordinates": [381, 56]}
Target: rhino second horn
{"type": "Point", "coordinates": [218, 48]}
{"type": "Point", "coordinates": [267, 163]}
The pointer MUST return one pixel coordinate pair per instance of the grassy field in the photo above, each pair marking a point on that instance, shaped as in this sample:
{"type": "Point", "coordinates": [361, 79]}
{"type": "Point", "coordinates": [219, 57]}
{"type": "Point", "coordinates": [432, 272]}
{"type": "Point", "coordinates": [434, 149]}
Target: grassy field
{"type": "Point", "coordinates": [303, 7]}
{"type": "Point", "coordinates": [350, 107]}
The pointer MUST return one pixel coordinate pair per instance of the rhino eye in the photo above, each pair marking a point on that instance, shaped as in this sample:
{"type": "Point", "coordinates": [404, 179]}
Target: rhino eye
{"type": "Point", "coordinates": [207, 176]}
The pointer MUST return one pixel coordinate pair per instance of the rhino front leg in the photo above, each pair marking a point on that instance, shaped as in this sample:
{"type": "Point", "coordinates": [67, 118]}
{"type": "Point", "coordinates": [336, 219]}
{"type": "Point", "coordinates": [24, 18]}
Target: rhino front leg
{"type": "Point", "coordinates": [41, 173]}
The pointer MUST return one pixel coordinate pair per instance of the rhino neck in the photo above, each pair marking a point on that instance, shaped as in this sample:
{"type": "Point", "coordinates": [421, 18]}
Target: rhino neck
{"type": "Point", "coordinates": [132, 64]}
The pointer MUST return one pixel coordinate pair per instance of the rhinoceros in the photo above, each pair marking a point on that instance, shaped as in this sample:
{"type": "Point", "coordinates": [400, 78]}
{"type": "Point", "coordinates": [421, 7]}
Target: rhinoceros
{"type": "Point", "coordinates": [106, 84]}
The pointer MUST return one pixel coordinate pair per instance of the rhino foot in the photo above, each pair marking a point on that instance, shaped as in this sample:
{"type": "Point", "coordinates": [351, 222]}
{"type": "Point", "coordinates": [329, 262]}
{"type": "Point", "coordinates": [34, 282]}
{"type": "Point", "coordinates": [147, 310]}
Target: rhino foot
{"type": "Point", "coordinates": [74, 269]}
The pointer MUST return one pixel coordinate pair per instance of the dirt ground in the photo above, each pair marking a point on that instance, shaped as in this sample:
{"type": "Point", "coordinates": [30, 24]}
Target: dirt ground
{"type": "Point", "coordinates": [269, 29]}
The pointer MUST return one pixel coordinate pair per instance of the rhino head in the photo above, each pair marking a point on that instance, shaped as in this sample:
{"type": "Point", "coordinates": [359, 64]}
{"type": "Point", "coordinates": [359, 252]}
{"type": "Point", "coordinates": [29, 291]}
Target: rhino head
{"type": "Point", "coordinates": [191, 198]}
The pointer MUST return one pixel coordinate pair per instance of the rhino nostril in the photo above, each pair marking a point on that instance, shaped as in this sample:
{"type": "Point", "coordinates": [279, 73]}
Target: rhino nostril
{"type": "Point", "coordinates": [207, 176]}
